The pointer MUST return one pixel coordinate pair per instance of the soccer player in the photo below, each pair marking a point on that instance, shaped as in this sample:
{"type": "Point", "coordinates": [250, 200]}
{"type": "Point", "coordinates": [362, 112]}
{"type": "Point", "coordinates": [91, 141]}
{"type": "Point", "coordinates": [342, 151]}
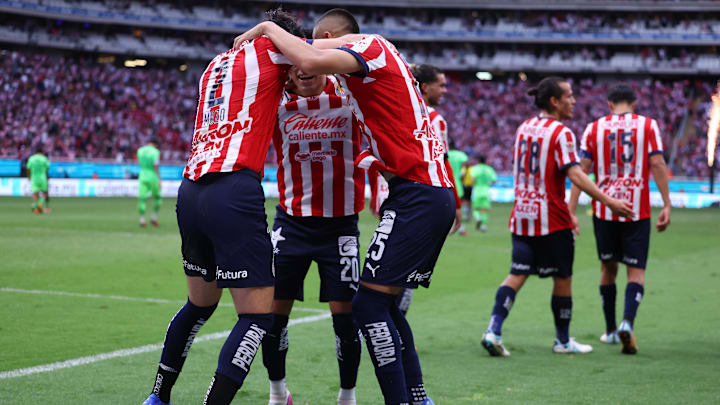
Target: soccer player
{"type": "Point", "coordinates": [321, 192]}
{"type": "Point", "coordinates": [148, 157]}
{"type": "Point", "coordinates": [221, 212]}
{"type": "Point", "coordinates": [433, 86]}
{"type": "Point", "coordinates": [483, 176]}
{"type": "Point", "coordinates": [624, 149]}
{"type": "Point", "coordinates": [37, 167]}
{"type": "Point", "coordinates": [420, 209]}
{"type": "Point", "coordinates": [541, 227]}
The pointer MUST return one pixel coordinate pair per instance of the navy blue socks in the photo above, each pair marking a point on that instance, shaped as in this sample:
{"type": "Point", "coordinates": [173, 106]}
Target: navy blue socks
{"type": "Point", "coordinates": [348, 349]}
{"type": "Point", "coordinates": [504, 299]}
{"type": "Point", "coordinates": [275, 348]}
{"type": "Point", "coordinates": [236, 356]}
{"type": "Point", "coordinates": [562, 312]}
{"type": "Point", "coordinates": [608, 294]}
{"type": "Point", "coordinates": [410, 361]}
{"type": "Point", "coordinates": [179, 337]}
{"type": "Point", "coordinates": [633, 295]}
{"type": "Point", "coordinates": [371, 311]}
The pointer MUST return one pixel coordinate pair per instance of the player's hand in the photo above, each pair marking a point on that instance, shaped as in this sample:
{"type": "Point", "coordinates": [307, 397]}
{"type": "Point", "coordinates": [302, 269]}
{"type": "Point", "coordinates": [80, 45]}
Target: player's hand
{"type": "Point", "coordinates": [252, 33]}
{"type": "Point", "coordinates": [621, 208]}
{"type": "Point", "coordinates": [663, 219]}
{"type": "Point", "coordinates": [458, 221]}
{"type": "Point", "coordinates": [575, 224]}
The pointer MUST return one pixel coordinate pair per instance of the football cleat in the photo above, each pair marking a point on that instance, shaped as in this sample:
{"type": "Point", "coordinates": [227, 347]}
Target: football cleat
{"type": "Point", "coordinates": [627, 337]}
{"type": "Point", "coordinates": [154, 400]}
{"type": "Point", "coordinates": [154, 223]}
{"type": "Point", "coordinates": [494, 344]}
{"type": "Point", "coordinates": [281, 400]}
{"type": "Point", "coordinates": [610, 338]}
{"type": "Point", "coordinates": [572, 346]}
{"type": "Point", "coordinates": [427, 401]}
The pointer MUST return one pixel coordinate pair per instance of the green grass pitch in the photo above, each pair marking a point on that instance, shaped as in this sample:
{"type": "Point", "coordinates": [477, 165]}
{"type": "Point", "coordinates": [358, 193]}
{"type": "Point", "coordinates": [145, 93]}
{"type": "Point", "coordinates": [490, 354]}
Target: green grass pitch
{"type": "Point", "coordinates": [94, 246]}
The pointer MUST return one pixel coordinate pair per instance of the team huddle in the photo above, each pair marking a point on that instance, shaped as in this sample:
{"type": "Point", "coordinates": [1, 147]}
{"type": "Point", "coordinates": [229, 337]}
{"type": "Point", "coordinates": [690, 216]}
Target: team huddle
{"type": "Point", "coordinates": [339, 105]}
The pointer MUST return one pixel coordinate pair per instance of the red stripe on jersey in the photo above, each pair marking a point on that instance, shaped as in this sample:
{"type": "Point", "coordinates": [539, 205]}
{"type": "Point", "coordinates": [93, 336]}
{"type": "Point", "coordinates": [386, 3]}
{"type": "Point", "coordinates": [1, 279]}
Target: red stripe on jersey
{"type": "Point", "coordinates": [317, 179]}
{"type": "Point", "coordinates": [313, 103]}
{"type": "Point", "coordinates": [296, 176]}
{"type": "Point", "coordinates": [338, 179]}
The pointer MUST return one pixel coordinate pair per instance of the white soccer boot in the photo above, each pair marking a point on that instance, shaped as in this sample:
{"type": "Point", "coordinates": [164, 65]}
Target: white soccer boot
{"type": "Point", "coordinates": [494, 344]}
{"type": "Point", "coordinates": [572, 346]}
{"type": "Point", "coordinates": [610, 338]}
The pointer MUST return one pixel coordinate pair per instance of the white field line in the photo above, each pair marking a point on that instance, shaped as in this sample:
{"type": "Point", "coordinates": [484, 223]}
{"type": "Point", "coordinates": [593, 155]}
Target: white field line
{"type": "Point", "coordinates": [135, 350]}
{"type": "Point", "coordinates": [123, 298]}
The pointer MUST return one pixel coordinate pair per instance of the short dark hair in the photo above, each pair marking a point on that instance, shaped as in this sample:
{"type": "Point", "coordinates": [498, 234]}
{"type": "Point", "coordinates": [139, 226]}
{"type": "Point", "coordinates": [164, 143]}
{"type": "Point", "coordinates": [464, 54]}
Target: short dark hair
{"type": "Point", "coordinates": [350, 25]}
{"type": "Point", "coordinates": [425, 73]}
{"type": "Point", "coordinates": [155, 140]}
{"type": "Point", "coordinates": [547, 88]}
{"type": "Point", "coordinates": [286, 21]}
{"type": "Point", "coordinates": [481, 158]}
{"type": "Point", "coordinates": [621, 92]}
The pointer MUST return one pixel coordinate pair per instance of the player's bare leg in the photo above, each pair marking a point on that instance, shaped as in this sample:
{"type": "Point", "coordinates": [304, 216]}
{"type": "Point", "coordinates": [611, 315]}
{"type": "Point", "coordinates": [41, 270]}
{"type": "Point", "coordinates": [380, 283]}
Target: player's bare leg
{"type": "Point", "coordinates": [608, 294]}
{"type": "Point", "coordinates": [561, 304]}
{"type": "Point", "coordinates": [633, 295]}
{"type": "Point", "coordinates": [504, 299]}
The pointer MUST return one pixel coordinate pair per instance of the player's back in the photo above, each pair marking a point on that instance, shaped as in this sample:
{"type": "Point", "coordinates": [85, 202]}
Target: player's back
{"type": "Point", "coordinates": [544, 149]}
{"type": "Point", "coordinates": [484, 176]}
{"type": "Point", "coordinates": [457, 159]}
{"type": "Point", "coordinates": [387, 100]}
{"type": "Point", "coordinates": [620, 145]}
{"type": "Point", "coordinates": [239, 93]}
{"type": "Point", "coordinates": [147, 157]}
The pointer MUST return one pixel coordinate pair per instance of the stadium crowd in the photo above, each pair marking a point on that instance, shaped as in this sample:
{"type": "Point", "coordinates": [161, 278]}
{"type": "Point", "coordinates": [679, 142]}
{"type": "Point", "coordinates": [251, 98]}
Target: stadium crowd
{"type": "Point", "coordinates": [80, 109]}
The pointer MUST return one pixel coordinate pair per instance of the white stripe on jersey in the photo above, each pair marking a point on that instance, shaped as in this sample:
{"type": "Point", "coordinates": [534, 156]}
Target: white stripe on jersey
{"type": "Point", "coordinates": [544, 157]}
{"type": "Point", "coordinates": [361, 118]}
{"type": "Point", "coordinates": [252, 77]}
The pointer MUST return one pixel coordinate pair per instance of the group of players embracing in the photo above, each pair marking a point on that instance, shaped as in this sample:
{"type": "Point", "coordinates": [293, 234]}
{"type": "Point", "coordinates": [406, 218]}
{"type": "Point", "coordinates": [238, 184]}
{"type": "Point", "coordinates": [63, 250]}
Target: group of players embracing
{"type": "Point", "coordinates": [319, 100]}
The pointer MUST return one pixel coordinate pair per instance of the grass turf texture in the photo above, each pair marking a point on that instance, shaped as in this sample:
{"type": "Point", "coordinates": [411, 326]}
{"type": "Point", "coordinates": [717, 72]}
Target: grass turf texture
{"type": "Point", "coordinates": [95, 246]}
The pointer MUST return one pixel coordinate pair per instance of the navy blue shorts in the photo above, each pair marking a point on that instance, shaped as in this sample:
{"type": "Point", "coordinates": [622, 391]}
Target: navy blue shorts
{"type": "Point", "coordinates": [224, 231]}
{"type": "Point", "coordinates": [415, 220]}
{"type": "Point", "coordinates": [549, 255]}
{"type": "Point", "coordinates": [332, 243]}
{"type": "Point", "coordinates": [625, 242]}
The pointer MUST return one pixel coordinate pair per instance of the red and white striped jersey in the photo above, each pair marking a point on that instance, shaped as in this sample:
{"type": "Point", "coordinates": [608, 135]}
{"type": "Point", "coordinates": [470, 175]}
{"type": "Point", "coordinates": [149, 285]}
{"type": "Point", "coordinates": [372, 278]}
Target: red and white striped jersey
{"type": "Point", "coordinates": [317, 140]}
{"type": "Point", "coordinates": [379, 189]}
{"type": "Point", "coordinates": [386, 98]}
{"type": "Point", "coordinates": [621, 146]}
{"type": "Point", "coordinates": [237, 109]}
{"type": "Point", "coordinates": [439, 125]}
{"type": "Point", "coordinates": [544, 149]}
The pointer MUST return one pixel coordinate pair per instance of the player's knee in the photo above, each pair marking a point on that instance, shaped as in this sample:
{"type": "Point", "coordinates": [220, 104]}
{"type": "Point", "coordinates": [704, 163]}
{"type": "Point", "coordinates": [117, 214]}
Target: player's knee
{"type": "Point", "coordinates": [636, 275]}
{"type": "Point", "coordinates": [562, 286]}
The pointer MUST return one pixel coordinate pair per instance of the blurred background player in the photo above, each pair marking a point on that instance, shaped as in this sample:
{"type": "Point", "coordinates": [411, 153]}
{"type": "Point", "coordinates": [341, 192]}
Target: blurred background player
{"type": "Point", "coordinates": [467, 185]}
{"type": "Point", "coordinates": [320, 194]}
{"type": "Point", "coordinates": [624, 148]}
{"type": "Point", "coordinates": [420, 202]}
{"type": "Point", "coordinates": [483, 177]}
{"type": "Point", "coordinates": [541, 226]}
{"type": "Point", "coordinates": [37, 168]}
{"type": "Point", "coordinates": [148, 157]}
{"type": "Point", "coordinates": [221, 213]}
{"type": "Point", "coordinates": [458, 159]}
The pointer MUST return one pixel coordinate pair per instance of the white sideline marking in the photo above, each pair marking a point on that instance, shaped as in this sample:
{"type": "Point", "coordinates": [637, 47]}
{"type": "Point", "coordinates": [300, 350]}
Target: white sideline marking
{"type": "Point", "coordinates": [124, 298]}
{"type": "Point", "coordinates": [135, 350]}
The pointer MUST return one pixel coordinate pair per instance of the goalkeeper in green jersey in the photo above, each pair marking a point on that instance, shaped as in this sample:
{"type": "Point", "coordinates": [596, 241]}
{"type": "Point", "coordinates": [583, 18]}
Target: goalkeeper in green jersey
{"type": "Point", "coordinates": [483, 177]}
{"type": "Point", "coordinates": [148, 157]}
{"type": "Point", "coordinates": [37, 168]}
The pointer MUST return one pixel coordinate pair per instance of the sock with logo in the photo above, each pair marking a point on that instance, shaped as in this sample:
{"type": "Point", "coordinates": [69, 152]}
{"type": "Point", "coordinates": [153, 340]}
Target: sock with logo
{"type": "Point", "coordinates": [371, 311]}
{"type": "Point", "coordinates": [633, 295]}
{"type": "Point", "coordinates": [608, 293]}
{"type": "Point", "coordinates": [403, 300]}
{"type": "Point", "coordinates": [236, 356]}
{"type": "Point", "coordinates": [504, 300]}
{"type": "Point", "coordinates": [179, 337]}
{"type": "Point", "coordinates": [275, 348]}
{"type": "Point", "coordinates": [410, 361]}
{"type": "Point", "coordinates": [562, 312]}
{"type": "Point", "coordinates": [348, 349]}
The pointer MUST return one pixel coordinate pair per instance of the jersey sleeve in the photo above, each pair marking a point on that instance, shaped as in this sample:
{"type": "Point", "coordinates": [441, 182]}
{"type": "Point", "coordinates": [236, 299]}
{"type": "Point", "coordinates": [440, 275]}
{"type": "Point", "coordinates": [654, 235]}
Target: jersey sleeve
{"type": "Point", "coordinates": [369, 52]}
{"type": "Point", "coordinates": [440, 126]}
{"type": "Point", "coordinates": [586, 147]}
{"type": "Point", "coordinates": [565, 155]}
{"type": "Point", "coordinates": [276, 56]}
{"type": "Point", "coordinates": [654, 139]}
